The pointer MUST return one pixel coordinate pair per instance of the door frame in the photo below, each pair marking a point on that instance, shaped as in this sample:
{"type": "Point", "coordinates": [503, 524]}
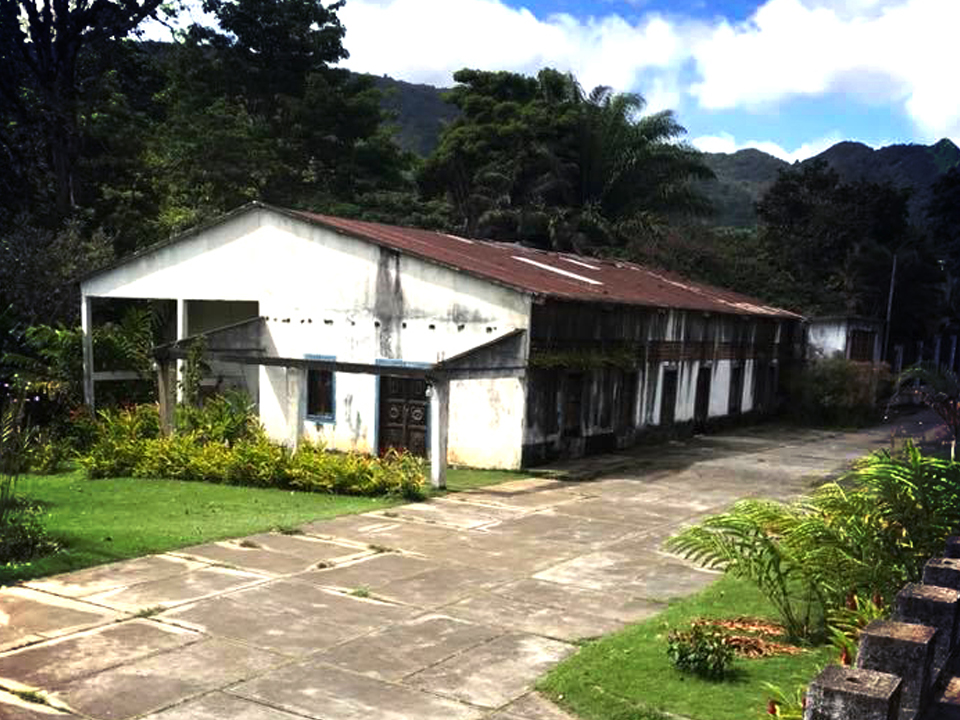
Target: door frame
{"type": "Point", "coordinates": [376, 400]}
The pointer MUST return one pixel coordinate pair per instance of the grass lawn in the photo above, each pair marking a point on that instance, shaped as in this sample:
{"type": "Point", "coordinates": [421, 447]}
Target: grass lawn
{"type": "Point", "coordinates": [460, 479]}
{"type": "Point", "coordinates": [628, 676]}
{"type": "Point", "coordinates": [99, 521]}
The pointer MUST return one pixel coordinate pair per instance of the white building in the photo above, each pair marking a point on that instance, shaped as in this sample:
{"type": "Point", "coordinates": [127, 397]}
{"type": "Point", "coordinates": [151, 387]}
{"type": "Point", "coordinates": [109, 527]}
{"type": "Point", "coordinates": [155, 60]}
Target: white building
{"type": "Point", "coordinates": [546, 354]}
{"type": "Point", "coordinates": [848, 336]}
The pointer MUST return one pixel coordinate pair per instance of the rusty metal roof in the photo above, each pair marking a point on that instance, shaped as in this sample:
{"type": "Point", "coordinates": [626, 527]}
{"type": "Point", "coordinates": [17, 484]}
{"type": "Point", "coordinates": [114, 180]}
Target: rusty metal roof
{"type": "Point", "coordinates": [551, 274]}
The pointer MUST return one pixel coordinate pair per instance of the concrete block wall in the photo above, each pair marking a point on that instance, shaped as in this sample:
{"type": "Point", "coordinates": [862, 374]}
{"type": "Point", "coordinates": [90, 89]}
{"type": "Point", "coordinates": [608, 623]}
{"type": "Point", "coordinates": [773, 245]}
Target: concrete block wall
{"type": "Point", "coordinates": [907, 667]}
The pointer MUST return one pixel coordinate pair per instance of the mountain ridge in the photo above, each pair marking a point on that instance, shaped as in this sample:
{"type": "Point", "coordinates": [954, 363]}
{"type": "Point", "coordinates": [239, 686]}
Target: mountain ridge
{"type": "Point", "coordinates": [419, 114]}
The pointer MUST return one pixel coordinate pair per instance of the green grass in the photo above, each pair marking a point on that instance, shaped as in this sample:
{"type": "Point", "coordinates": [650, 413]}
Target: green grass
{"type": "Point", "coordinates": [98, 521]}
{"type": "Point", "coordinates": [460, 479]}
{"type": "Point", "coordinates": [628, 676]}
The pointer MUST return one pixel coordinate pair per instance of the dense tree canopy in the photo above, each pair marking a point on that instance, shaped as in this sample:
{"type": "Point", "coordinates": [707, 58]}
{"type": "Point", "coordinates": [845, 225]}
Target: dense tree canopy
{"type": "Point", "coordinates": [541, 161]}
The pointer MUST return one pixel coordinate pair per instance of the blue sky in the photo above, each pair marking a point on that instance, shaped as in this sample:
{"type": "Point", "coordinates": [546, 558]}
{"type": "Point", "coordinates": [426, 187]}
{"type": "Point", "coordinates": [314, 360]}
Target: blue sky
{"type": "Point", "coordinates": [789, 76]}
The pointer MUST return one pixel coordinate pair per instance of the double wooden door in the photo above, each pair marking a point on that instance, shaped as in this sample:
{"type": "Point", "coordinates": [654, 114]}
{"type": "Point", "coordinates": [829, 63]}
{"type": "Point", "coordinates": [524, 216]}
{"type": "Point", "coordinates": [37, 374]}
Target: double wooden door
{"type": "Point", "coordinates": [404, 411]}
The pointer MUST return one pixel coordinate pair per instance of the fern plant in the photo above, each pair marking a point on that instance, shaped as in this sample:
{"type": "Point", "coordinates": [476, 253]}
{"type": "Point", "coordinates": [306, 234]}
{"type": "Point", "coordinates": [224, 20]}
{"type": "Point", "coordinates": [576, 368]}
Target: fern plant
{"type": "Point", "coordinates": [867, 534]}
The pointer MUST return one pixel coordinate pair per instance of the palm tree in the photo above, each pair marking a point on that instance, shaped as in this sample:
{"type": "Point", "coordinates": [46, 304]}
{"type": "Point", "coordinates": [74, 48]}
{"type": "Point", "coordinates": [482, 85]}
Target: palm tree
{"type": "Point", "coordinates": [623, 173]}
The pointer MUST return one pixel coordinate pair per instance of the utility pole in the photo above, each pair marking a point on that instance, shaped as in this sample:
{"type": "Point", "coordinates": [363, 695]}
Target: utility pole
{"type": "Point", "coordinates": [886, 329]}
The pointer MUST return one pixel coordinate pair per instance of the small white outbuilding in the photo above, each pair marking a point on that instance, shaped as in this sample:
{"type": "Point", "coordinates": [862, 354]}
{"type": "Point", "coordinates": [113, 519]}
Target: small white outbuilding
{"type": "Point", "coordinates": [348, 331]}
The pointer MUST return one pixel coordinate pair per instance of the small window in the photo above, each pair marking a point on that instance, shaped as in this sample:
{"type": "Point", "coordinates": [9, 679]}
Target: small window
{"type": "Point", "coordinates": [320, 394]}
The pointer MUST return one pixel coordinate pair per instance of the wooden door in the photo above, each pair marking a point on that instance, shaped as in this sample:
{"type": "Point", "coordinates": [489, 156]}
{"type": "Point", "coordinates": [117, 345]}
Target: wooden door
{"type": "Point", "coordinates": [668, 405]}
{"type": "Point", "coordinates": [404, 409]}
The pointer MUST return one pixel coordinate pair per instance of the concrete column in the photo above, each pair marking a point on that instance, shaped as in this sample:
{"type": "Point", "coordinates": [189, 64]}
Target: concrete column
{"type": "Point", "coordinates": [86, 325]}
{"type": "Point", "coordinates": [933, 606]}
{"type": "Point", "coordinates": [942, 572]}
{"type": "Point", "coordinates": [166, 395]}
{"type": "Point", "coordinates": [848, 693]}
{"type": "Point", "coordinates": [439, 426]}
{"type": "Point", "coordinates": [182, 332]}
{"type": "Point", "coordinates": [953, 351]}
{"type": "Point", "coordinates": [296, 404]}
{"type": "Point", "coordinates": [904, 650]}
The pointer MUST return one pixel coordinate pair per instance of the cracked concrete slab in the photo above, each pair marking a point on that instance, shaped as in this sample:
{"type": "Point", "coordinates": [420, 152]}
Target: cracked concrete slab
{"type": "Point", "coordinates": [201, 666]}
{"type": "Point", "coordinates": [187, 587]}
{"type": "Point", "coordinates": [29, 616]}
{"type": "Point", "coordinates": [521, 616]}
{"type": "Point", "coordinates": [465, 614]}
{"type": "Point", "coordinates": [408, 647]}
{"type": "Point", "coordinates": [102, 578]}
{"type": "Point", "coordinates": [15, 708]}
{"type": "Point", "coordinates": [370, 572]}
{"type": "Point", "coordinates": [532, 706]}
{"type": "Point", "coordinates": [493, 674]}
{"type": "Point", "coordinates": [614, 606]}
{"type": "Point", "coordinates": [323, 605]}
{"type": "Point", "coordinates": [457, 514]}
{"type": "Point", "coordinates": [291, 633]}
{"type": "Point", "coordinates": [220, 706]}
{"type": "Point", "coordinates": [440, 586]}
{"type": "Point", "coordinates": [323, 692]}
{"type": "Point", "coordinates": [56, 662]}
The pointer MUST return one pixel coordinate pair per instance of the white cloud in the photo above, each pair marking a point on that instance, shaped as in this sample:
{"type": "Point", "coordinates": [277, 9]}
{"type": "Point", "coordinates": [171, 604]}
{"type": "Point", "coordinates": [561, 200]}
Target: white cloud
{"type": "Point", "coordinates": [891, 54]}
{"type": "Point", "coordinates": [727, 143]}
{"type": "Point", "coordinates": [875, 50]}
{"type": "Point", "coordinates": [427, 40]}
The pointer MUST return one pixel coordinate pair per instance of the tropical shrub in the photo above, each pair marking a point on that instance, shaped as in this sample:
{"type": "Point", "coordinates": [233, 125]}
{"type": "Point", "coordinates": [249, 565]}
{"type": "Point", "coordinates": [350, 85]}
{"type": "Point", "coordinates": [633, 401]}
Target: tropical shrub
{"type": "Point", "coordinates": [226, 418]}
{"type": "Point", "coordinates": [867, 534]}
{"type": "Point", "coordinates": [396, 473]}
{"type": "Point", "coordinates": [119, 440]}
{"type": "Point", "coordinates": [702, 650]}
{"type": "Point", "coordinates": [837, 391]}
{"type": "Point", "coordinates": [223, 443]}
{"type": "Point", "coordinates": [22, 535]}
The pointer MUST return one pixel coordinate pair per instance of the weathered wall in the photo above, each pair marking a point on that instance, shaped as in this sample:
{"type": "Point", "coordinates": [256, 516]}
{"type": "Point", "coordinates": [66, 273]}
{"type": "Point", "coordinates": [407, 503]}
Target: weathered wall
{"type": "Point", "coordinates": [327, 294]}
{"type": "Point", "coordinates": [639, 346]}
{"type": "Point", "coordinates": [828, 338]}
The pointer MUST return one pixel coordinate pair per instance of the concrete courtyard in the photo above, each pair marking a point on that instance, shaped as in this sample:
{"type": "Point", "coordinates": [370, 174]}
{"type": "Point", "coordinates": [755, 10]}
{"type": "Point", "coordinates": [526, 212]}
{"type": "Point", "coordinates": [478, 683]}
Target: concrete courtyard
{"type": "Point", "coordinates": [443, 610]}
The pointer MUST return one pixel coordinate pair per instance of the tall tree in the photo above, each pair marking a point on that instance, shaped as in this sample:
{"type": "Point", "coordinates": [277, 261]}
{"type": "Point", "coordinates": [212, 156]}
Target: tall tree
{"type": "Point", "coordinates": [41, 44]}
{"type": "Point", "coordinates": [256, 110]}
{"type": "Point", "coordinates": [540, 160]}
{"type": "Point", "coordinates": [834, 245]}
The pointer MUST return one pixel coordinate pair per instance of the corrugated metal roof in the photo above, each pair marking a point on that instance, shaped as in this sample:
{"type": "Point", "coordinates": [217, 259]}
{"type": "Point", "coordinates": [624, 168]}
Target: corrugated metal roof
{"type": "Point", "coordinates": [551, 274]}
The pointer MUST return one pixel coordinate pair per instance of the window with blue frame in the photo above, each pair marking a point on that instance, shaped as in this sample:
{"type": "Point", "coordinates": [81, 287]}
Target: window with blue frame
{"type": "Point", "coordinates": [321, 392]}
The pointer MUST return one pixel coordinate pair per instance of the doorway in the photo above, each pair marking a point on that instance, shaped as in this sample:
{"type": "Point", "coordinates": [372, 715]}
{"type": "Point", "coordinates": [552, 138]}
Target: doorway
{"type": "Point", "coordinates": [404, 410]}
{"type": "Point", "coordinates": [701, 405]}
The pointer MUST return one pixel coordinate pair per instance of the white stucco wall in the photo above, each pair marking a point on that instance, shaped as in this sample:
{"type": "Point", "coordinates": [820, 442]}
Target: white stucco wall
{"type": "Point", "coordinates": [828, 338]}
{"type": "Point", "coordinates": [327, 294]}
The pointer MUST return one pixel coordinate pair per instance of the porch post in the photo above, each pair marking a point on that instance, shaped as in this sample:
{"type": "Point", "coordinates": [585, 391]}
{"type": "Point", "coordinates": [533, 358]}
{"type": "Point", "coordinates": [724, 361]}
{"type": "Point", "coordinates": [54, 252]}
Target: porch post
{"type": "Point", "coordinates": [182, 331]}
{"type": "Point", "coordinates": [439, 425]}
{"type": "Point", "coordinates": [86, 325]}
{"type": "Point", "coordinates": [296, 401]}
{"type": "Point", "coordinates": [166, 395]}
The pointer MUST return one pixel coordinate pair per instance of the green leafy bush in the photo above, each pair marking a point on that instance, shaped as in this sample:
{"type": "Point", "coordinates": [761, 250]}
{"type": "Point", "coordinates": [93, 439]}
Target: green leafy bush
{"type": "Point", "coordinates": [866, 535]}
{"type": "Point", "coordinates": [702, 650]}
{"type": "Point", "coordinates": [396, 473]}
{"type": "Point", "coordinates": [48, 453]}
{"type": "Point", "coordinates": [225, 418]}
{"type": "Point", "coordinates": [223, 443]}
{"type": "Point", "coordinates": [119, 442]}
{"type": "Point", "coordinates": [837, 391]}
